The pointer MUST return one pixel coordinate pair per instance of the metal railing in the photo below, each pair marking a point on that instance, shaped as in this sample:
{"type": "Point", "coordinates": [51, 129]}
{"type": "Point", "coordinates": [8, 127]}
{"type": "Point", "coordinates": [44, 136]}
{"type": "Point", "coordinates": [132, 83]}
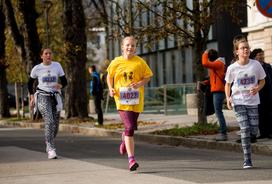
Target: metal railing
{"type": "Point", "coordinates": [167, 99]}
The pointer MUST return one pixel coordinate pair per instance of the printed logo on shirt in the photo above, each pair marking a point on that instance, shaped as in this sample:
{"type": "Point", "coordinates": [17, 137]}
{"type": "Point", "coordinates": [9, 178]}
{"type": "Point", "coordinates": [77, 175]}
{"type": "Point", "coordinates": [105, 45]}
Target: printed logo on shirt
{"type": "Point", "coordinates": [128, 76]}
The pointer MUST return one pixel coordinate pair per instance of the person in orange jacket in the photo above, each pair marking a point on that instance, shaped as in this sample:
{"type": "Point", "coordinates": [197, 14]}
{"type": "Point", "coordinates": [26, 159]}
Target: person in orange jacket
{"type": "Point", "coordinates": [216, 68]}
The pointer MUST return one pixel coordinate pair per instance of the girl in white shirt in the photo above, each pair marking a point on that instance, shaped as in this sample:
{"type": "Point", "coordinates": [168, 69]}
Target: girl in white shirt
{"type": "Point", "coordinates": [47, 99]}
{"type": "Point", "coordinates": [247, 77]}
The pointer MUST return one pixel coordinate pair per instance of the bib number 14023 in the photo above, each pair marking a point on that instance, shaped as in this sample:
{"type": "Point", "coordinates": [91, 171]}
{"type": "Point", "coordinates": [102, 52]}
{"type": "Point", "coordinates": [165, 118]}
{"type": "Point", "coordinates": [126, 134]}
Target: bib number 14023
{"type": "Point", "coordinates": [129, 96]}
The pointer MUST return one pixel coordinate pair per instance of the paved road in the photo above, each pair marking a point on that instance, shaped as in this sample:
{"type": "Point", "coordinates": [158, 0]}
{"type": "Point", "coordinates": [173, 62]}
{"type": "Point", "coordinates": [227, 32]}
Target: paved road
{"type": "Point", "coordinates": [96, 160]}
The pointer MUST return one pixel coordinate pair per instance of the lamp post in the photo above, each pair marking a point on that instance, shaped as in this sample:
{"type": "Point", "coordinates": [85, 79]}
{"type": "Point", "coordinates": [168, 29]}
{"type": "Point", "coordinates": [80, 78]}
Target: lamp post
{"type": "Point", "coordinates": [47, 4]}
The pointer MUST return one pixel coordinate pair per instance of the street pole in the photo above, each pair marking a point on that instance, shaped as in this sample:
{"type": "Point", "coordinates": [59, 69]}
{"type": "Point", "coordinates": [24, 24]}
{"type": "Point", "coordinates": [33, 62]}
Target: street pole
{"type": "Point", "coordinates": [47, 4]}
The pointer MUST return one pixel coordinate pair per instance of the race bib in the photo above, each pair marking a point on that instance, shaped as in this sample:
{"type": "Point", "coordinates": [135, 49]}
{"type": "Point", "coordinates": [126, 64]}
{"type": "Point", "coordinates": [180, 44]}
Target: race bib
{"type": "Point", "coordinates": [129, 96]}
{"type": "Point", "coordinates": [246, 82]}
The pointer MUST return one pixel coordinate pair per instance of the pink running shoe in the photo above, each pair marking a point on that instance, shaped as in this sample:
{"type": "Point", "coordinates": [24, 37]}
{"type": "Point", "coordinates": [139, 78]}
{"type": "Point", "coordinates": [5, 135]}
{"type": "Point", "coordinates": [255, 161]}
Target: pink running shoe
{"type": "Point", "coordinates": [133, 165]}
{"type": "Point", "coordinates": [122, 148]}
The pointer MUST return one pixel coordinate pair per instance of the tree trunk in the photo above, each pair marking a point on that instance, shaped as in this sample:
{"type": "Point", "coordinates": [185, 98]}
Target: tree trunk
{"type": "Point", "coordinates": [27, 44]}
{"type": "Point", "coordinates": [202, 118]}
{"type": "Point", "coordinates": [75, 51]}
{"type": "Point", "coordinates": [32, 42]}
{"type": "Point", "coordinates": [31, 37]}
{"type": "Point", "coordinates": [4, 106]}
{"type": "Point", "coordinates": [199, 47]}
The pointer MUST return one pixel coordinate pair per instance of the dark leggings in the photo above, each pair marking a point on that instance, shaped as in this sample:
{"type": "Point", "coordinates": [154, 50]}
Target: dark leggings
{"type": "Point", "coordinates": [129, 119]}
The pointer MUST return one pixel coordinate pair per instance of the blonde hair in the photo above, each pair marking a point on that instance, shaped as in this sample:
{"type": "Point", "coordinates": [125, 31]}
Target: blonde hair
{"type": "Point", "coordinates": [129, 37]}
{"type": "Point", "coordinates": [236, 41]}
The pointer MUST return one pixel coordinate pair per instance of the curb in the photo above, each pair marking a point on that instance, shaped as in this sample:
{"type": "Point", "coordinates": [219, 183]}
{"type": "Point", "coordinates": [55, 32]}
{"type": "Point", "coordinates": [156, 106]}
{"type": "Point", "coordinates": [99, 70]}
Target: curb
{"type": "Point", "coordinates": [22, 124]}
{"type": "Point", "coordinates": [202, 143]}
{"type": "Point", "coordinates": [150, 138]}
{"type": "Point", "coordinates": [90, 131]}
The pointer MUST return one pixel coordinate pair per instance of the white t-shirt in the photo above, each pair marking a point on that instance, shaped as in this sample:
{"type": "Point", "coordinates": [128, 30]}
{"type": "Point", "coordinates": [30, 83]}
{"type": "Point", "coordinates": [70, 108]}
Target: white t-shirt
{"type": "Point", "coordinates": [47, 75]}
{"type": "Point", "coordinates": [244, 77]}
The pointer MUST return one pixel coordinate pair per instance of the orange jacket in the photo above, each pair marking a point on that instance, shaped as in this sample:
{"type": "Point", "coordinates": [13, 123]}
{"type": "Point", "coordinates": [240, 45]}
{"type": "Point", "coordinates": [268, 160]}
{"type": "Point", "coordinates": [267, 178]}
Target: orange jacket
{"type": "Point", "coordinates": [217, 72]}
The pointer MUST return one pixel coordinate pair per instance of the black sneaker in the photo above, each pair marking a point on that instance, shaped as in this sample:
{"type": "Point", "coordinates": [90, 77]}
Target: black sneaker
{"type": "Point", "coordinates": [247, 164]}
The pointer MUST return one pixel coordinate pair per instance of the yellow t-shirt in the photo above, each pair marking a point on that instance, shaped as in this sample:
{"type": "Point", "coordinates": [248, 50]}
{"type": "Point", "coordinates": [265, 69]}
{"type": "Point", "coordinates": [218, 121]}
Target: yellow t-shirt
{"type": "Point", "coordinates": [124, 72]}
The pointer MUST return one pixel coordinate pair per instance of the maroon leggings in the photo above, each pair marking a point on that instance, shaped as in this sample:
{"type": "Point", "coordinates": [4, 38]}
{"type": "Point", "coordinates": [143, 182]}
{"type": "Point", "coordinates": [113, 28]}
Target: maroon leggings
{"type": "Point", "coordinates": [129, 119]}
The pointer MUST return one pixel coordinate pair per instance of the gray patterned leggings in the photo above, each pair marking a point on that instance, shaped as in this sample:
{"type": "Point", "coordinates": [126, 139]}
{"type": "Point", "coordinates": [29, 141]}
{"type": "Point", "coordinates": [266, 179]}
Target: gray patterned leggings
{"type": "Point", "coordinates": [248, 119]}
{"type": "Point", "coordinates": [47, 107]}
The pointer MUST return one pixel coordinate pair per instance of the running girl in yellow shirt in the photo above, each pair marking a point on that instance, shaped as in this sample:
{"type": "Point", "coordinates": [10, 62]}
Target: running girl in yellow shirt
{"type": "Point", "coordinates": [127, 75]}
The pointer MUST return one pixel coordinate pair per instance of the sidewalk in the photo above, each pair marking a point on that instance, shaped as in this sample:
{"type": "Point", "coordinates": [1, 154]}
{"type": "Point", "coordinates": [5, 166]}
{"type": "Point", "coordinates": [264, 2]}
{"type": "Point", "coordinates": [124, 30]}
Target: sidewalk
{"type": "Point", "coordinates": [159, 122]}
{"type": "Point", "coordinates": [22, 166]}
{"type": "Point", "coordinates": [169, 121]}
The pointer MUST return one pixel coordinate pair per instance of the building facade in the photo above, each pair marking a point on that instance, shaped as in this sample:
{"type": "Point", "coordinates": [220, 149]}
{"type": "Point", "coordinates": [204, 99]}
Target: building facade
{"type": "Point", "coordinates": [259, 31]}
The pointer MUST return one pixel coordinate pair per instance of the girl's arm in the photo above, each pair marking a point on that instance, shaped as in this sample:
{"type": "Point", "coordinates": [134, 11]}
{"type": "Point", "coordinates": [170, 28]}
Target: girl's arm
{"type": "Point", "coordinates": [256, 89]}
{"type": "Point", "coordinates": [110, 84]}
{"type": "Point", "coordinates": [228, 97]}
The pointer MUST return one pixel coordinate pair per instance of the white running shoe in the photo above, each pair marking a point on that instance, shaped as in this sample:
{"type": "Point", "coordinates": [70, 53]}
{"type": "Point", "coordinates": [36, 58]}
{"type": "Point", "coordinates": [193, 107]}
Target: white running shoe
{"type": "Point", "coordinates": [52, 154]}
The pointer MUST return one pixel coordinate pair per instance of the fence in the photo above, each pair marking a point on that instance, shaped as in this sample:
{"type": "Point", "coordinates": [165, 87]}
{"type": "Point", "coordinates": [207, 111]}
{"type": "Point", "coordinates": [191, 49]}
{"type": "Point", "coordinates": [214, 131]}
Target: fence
{"type": "Point", "coordinates": [167, 99]}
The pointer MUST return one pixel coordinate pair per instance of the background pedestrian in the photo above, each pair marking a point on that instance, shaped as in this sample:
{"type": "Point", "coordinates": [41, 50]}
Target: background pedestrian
{"type": "Point", "coordinates": [216, 68]}
{"type": "Point", "coordinates": [96, 91]}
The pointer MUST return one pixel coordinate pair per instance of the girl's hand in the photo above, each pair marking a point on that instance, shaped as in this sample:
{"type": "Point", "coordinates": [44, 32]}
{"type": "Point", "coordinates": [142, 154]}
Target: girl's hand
{"type": "Point", "coordinates": [229, 102]}
{"type": "Point", "coordinates": [135, 85]}
{"type": "Point", "coordinates": [58, 86]}
{"type": "Point", "coordinates": [32, 101]}
{"type": "Point", "coordinates": [112, 92]}
{"type": "Point", "coordinates": [254, 90]}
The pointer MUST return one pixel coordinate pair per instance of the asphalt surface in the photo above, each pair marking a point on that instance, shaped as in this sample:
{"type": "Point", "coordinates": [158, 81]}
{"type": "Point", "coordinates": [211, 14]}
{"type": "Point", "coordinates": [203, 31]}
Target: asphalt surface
{"type": "Point", "coordinates": [92, 159]}
{"type": "Point", "coordinates": [159, 122]}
